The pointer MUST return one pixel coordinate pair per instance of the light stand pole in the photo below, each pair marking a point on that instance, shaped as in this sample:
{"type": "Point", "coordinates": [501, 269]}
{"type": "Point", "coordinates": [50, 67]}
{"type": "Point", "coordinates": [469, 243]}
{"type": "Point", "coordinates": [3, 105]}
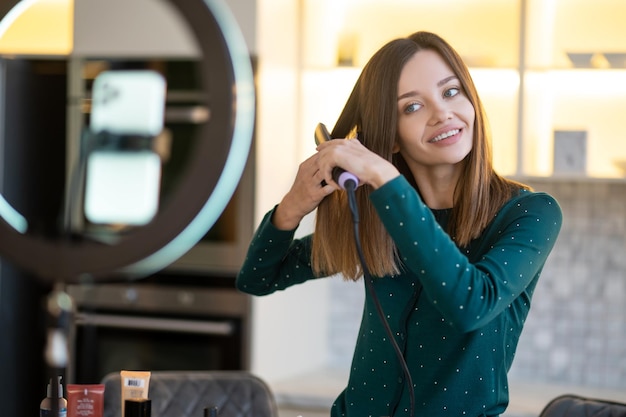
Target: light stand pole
{"type": "Point", "coordinates": [60, 310]}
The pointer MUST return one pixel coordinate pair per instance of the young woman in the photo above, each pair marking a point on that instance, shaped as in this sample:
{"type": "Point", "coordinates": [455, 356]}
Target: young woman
{"type": "Point", "coordinates": [454, 249]}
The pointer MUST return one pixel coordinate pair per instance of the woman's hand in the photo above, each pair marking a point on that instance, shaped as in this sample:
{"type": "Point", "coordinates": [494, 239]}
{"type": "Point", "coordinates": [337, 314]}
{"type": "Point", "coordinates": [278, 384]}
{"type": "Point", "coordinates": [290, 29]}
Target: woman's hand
{"type": "Point", "coordinates": [352, 156]}
{"type": "Point", "coordinates": [306, 192]}
{"type": "Point", "coordinates": [314, 179]}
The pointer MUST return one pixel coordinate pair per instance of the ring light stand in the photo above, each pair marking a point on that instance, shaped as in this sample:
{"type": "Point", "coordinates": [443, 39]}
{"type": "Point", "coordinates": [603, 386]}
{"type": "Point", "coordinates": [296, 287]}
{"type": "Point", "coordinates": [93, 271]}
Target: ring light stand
{"type": "Point", "coordinates": [213, 172]}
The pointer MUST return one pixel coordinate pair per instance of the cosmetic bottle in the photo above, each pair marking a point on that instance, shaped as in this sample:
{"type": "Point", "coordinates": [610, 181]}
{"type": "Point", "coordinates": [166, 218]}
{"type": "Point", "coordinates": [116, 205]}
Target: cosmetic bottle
{"type": "Point", "coordinates": [45, 408]}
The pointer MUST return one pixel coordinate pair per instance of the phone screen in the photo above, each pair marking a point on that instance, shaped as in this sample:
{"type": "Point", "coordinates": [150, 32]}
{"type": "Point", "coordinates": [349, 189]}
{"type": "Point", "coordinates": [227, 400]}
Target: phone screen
{"type": "Point", "coordinates": [122, 185]}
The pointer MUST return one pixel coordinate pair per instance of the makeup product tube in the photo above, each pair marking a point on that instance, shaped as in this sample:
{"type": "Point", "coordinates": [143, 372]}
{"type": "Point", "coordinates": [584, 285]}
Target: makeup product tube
{"type": "Point", "coordinates": [85, 400]}
{"type": "Point", "coordinates": [138, 407]}
{"type": "Point", "coordinates": [134, 386]}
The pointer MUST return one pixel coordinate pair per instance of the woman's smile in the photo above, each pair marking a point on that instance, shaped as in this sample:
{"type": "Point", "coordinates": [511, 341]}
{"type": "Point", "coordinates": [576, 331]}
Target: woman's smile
{"type": "Point", "coordinates": [447, 138]}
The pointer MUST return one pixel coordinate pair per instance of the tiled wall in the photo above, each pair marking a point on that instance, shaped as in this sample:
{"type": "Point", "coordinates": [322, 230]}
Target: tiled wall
{"type": "Point", "coordinates": [576, 331]}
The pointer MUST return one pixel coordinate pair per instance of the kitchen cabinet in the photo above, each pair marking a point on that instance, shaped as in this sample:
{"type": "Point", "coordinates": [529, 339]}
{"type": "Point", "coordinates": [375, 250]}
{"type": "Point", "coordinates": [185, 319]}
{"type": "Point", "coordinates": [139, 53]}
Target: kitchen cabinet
{"type": "Point", "coordinates": [544, 69]}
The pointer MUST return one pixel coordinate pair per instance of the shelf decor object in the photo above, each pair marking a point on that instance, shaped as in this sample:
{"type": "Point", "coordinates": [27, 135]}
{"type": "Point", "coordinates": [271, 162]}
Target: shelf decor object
{"type": "Point", "coordinates": [581, 59]}
{"type": "Point", "coordinates": [616, 59]}
{"type": "Point", "coordinates": [570, 152]}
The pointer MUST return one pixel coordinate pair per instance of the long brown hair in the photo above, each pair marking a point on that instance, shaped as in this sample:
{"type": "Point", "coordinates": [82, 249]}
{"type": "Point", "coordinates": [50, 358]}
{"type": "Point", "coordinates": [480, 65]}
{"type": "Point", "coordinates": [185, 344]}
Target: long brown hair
{"type": "Point", "coordinates": [372, 109]}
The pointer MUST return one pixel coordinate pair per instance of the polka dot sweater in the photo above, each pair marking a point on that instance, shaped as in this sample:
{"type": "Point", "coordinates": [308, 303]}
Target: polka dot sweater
{"type": "Point", "coordinates": [456, 314]}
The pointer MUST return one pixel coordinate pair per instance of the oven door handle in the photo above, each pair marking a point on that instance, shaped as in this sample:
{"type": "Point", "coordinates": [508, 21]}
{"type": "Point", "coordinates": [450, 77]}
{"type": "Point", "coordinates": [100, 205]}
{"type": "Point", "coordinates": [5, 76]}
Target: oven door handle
{"type": "Point", "coordinates": [221, 328]}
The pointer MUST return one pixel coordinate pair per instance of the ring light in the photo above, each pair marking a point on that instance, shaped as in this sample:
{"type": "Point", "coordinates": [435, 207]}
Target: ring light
{"type": "Point", "coordinates": [212, 174]}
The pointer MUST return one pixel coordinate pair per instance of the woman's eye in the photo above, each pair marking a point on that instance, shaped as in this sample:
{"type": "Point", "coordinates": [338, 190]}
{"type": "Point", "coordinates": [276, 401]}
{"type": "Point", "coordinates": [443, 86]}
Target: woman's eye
{"type": "Point", "coordinates": [412, 108]}
{"type": "Point", "coordinates": [451, 92]}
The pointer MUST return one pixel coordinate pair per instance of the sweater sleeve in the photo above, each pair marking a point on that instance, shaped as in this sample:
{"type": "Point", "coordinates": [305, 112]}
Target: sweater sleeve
{"type": "Point", "coordinates": [509, 257]}
{"type": "Point", "coordinates": [275, 260]}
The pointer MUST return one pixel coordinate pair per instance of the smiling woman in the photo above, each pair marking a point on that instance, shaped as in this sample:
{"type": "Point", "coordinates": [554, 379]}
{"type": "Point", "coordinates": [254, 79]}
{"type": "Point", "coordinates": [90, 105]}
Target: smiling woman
{"type": "Point", "coordinates": [212, 170]}
{"type": "Point", "coordinates": [448, 250]}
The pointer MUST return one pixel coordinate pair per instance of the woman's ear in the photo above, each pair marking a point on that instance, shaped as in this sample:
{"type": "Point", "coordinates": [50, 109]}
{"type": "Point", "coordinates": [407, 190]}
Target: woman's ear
{"type": "Point", "coordinates": [395, 148]}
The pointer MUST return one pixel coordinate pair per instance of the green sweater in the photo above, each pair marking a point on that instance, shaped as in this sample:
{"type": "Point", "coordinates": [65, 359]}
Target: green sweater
{"type": "Point", "coordinates": [456, 314]}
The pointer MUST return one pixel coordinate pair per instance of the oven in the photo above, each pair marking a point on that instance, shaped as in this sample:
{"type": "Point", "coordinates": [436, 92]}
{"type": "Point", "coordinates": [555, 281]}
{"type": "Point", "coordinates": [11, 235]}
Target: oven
{"type": "Point", "coordinates": [161, 323]}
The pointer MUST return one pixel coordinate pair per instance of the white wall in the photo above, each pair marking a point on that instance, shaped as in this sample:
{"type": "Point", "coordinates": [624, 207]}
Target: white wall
{"type": "Point", "coordinates": [245, 12]}
{"type": "Point", "coordinates": [290, 328]}
{"type": "Point", "coordinates": [146, 28]}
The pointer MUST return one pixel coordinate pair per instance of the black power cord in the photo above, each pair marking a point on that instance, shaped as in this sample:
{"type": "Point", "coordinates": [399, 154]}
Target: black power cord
{"type": "Point", "coordinates": [350, 187]}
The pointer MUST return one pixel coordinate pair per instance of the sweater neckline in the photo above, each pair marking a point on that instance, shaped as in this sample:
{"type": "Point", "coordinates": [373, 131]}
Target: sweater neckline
{"type": "Point", "coordinates": [441, 215]}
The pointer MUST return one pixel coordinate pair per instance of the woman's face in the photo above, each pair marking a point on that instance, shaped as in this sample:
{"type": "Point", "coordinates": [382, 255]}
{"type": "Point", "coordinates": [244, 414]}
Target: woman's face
{"type": "Point", "coordinates": [435, 117]}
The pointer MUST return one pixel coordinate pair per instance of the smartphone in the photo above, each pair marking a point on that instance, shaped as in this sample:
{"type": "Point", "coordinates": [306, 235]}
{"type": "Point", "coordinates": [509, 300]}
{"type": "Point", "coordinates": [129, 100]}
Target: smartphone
{"type": "Point", "coordinates": [128, 102]}
{"type": "Point", "coordinates": [122, 186]}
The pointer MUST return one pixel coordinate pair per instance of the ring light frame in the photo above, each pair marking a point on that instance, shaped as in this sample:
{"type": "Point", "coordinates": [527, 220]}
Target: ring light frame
{"type": "Point", "coordinates": [212, 175]}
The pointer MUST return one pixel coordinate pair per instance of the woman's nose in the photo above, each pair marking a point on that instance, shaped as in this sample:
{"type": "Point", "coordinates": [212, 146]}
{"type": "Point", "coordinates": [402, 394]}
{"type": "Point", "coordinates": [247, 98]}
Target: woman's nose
{"type": "Point", "coordinates": [440, 112]}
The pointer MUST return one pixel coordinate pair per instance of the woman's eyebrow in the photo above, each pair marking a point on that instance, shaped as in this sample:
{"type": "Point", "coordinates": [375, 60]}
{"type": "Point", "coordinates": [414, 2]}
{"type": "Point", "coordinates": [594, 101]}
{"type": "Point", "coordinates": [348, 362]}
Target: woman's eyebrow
{"type": "Point", "coordinates": [407, 95]}
{"type": "Point", "coordinates": [439, 84]}
{"type": "Point", "coordinates": [446, 80]}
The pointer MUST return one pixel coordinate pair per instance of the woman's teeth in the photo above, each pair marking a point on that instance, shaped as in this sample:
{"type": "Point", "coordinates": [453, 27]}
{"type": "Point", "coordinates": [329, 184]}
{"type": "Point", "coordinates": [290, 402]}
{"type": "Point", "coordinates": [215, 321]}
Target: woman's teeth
{"type": "Point", "coordinates": [445, 135]}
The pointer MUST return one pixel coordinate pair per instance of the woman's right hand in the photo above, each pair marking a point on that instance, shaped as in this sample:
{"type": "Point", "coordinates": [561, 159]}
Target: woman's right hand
{"type": "Point", "coordinates": [307, 191]}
